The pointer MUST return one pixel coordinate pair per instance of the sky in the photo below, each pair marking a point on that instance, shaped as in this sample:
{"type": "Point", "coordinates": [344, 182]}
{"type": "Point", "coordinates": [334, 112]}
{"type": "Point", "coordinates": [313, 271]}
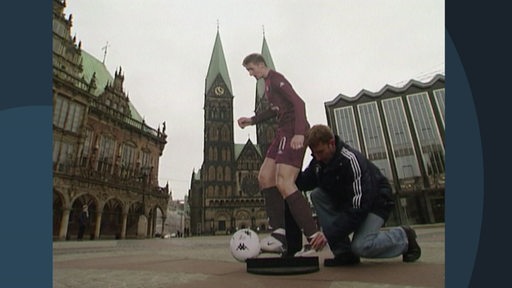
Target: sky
{"type": "Point", "coordinates": [323, 47]}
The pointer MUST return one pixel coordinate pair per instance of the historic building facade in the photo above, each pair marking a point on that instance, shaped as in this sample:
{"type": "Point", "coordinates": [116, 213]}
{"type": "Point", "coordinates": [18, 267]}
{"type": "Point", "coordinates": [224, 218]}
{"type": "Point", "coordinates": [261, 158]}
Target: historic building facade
{"type": "Point", "coordinates": [224, 194]}
{"type": "Point", "coordinates": [402, 130]}
{"type": "Point", "coordinates": [104, 155]}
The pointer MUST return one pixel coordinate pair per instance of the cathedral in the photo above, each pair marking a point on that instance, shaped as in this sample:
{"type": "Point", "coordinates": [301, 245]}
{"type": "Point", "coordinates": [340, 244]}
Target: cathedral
{"type": "Point", "coordinates": [224, 194]}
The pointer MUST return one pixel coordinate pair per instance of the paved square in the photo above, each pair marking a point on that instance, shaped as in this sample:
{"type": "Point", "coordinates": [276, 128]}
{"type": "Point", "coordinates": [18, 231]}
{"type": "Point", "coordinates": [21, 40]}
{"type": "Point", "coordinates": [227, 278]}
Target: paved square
{"type": "Point", "coordinates": [207, 262]}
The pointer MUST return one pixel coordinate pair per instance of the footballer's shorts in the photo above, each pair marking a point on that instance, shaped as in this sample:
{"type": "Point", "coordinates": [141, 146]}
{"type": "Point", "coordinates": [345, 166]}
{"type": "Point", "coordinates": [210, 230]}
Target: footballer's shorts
{"type": "Point", "coordinates": [281, 151]}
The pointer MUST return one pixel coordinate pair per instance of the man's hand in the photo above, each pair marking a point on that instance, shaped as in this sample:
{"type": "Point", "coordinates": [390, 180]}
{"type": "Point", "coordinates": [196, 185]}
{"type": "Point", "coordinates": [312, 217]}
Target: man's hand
{"type": "Point", "coordinates": [297, 142]}
{"type": "Point", "coordinates": [318, 241]}
{"type": "Point", "coordinates": [244, 122]}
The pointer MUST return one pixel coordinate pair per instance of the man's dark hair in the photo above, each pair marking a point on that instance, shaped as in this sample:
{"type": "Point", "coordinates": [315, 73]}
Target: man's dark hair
{"type": "Point", "coordinates": [254, 58]}
{"type": "Point", "coordinates": [318, 134]}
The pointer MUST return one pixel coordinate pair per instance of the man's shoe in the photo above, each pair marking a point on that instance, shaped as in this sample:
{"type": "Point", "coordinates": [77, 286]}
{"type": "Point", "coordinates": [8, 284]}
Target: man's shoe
{"type": "Point", "coordinates": [345, 259]}
{"type": "Point", "coordinates": [413, 252]}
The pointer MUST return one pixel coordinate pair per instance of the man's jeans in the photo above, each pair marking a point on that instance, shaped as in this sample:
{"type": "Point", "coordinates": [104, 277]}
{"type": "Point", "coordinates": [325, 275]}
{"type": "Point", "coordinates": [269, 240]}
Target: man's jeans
{"type": "Point", "coordinates": [368, 240]}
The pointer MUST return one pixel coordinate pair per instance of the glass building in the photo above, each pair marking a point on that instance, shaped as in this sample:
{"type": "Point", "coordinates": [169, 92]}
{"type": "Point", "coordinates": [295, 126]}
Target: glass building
{"type": "Point", "coordinates": [402, 131]}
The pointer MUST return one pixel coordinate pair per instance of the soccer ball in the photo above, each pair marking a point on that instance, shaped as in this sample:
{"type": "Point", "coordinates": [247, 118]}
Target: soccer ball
{"type": "Point", "coordinates": [244, 244]}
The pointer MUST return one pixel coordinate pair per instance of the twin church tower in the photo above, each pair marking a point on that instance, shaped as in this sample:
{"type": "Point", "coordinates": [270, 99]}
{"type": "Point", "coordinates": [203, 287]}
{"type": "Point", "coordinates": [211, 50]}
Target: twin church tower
{"type": "Point", "coordinates": [224, 194]}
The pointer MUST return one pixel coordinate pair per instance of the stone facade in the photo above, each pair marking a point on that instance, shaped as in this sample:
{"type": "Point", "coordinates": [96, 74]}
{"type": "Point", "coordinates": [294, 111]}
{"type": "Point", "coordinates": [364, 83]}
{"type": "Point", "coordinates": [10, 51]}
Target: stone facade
{"type": "Point", "coordinates": [104, 154]}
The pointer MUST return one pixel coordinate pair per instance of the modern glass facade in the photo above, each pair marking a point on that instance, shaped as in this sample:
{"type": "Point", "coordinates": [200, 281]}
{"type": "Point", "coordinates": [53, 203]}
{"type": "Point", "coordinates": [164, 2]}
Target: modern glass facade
{"type": "Point", "coordinates": [402, 131]}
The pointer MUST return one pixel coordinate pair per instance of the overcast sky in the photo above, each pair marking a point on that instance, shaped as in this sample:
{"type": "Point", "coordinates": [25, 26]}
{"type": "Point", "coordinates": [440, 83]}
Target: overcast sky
{"type": "Point", "coordinates": [324, 48]}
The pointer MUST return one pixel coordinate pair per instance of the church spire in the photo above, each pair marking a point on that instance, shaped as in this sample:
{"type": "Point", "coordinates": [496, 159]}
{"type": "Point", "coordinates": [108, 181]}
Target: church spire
{"type": "Point", "coordinates": [218, 66]}
{"type": "Point", "coordinates": [265, 52]}
{"type": "Point", "coordinates": [264, 130]}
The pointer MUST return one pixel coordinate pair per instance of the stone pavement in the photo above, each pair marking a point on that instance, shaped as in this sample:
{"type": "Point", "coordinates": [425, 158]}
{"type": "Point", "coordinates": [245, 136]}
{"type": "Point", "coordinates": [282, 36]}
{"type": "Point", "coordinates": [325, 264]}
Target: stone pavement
{"type": "Point", "coordinates": [207, 262]}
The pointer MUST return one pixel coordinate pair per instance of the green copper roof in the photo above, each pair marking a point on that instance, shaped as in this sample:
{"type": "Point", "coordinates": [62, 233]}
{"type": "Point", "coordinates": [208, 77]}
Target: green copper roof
{"type": "Point", "coordinates": [238, 149]}
{"type": "Point", "coordinates": [135, 114]}
{"type": "Point", "coordinates": [218, 66]}
{"type": "Point", "coordinates": [92, 65]}
{"type": "Point", "coordinates": [265, 52]}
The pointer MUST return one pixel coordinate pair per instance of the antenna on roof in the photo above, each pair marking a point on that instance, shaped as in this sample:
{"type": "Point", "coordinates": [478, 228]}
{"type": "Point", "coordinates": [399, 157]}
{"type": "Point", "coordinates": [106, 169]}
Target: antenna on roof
{"type": "Point", "coordinates": [105, 53]}
{"type": "Point", "coordinates": [218, 25]}
{"type": "Point", "coordinates": [263, 26]}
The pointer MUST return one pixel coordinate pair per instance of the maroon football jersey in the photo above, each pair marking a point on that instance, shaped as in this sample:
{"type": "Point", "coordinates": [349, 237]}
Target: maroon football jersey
{"type": "Point", "coordinates": [285, 104]}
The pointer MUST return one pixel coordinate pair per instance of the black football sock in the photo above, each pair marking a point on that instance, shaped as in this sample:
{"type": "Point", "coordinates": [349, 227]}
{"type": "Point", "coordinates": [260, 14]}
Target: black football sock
{"type": "Point", "coordinates": [301, 212]}
{"type": "Point", "coordinates": [274, 205]}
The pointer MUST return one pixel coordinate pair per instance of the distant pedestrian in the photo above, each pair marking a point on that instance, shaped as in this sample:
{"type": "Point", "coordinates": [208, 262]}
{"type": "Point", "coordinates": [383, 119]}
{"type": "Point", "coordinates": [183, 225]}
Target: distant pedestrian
{"type": "Point", "coordinates": [83, 222]}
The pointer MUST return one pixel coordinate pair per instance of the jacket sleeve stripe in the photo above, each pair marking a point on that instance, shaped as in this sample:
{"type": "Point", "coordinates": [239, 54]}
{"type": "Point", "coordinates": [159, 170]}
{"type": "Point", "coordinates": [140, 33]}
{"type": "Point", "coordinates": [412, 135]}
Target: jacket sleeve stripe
{"type": "Point", "coordinates": [356, 185]}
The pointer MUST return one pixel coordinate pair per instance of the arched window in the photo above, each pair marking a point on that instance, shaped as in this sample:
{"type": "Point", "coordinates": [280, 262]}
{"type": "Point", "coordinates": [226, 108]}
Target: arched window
{"type": "Point", "coordinates": [227, 174]}
{"type": "Point", "coordinates": [214, 133]}
{"type": "Point", "coordinates": [219, 173]}
{"type": "Point", "coordinates": [225, 133]}
{"type": "Point", "coordinates": [211, 173]}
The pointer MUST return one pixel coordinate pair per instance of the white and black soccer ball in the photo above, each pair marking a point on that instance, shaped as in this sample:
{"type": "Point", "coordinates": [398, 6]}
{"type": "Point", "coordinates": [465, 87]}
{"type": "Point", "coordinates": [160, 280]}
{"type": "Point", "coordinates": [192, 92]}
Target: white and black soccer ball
{"type": "Point", "coordinates": [244, 244]}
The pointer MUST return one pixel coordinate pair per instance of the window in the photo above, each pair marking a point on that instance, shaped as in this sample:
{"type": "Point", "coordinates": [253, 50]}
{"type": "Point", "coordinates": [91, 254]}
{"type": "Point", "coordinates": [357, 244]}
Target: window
{"type": "Point", "coordinates": [439, 96]}
{"type": "Point", "coordinates": [214, 133]}
{"type": "Point", "coordinates": [401, 140]}
{"type": "Point", "coordinates": [211, 173]}
{"type": "Point", "coordinates": [63, 155]}
{"type": "Point", "coordinates": [427, 134]}
{"type": "Point", "coordinates": [345, 126]}
{"type": "Point", "coordinates": [227, 174]}
{"type": "Point", "coordinates": [373, 136]}
{"type": "Point", "coordinates": [127, 159]}
{"type": "Point", "coordinates": [210, 153]}
{"type": "Point", "coordinates": [146, 163]}
{"type": "Point", "coordinates": [60, 110]}
{"type": "Point", "coordinates": [75, 117]}
{"type": "Point", "coordinates": [225, 133]}
{"type": "Point", "coordinates": [106, 154]}
{"type": "Point", "coordinates": [86, 148]}
{"type": "Point", "coordinates": [67, 114]}
{"type": "Point", "coordinates": [219, 174]}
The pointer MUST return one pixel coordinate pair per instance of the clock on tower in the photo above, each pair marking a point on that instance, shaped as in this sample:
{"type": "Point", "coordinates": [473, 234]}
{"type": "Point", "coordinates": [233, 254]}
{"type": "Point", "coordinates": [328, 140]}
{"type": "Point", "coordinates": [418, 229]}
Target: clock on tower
{"type": "Point", "coordinates": [219, 90]}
